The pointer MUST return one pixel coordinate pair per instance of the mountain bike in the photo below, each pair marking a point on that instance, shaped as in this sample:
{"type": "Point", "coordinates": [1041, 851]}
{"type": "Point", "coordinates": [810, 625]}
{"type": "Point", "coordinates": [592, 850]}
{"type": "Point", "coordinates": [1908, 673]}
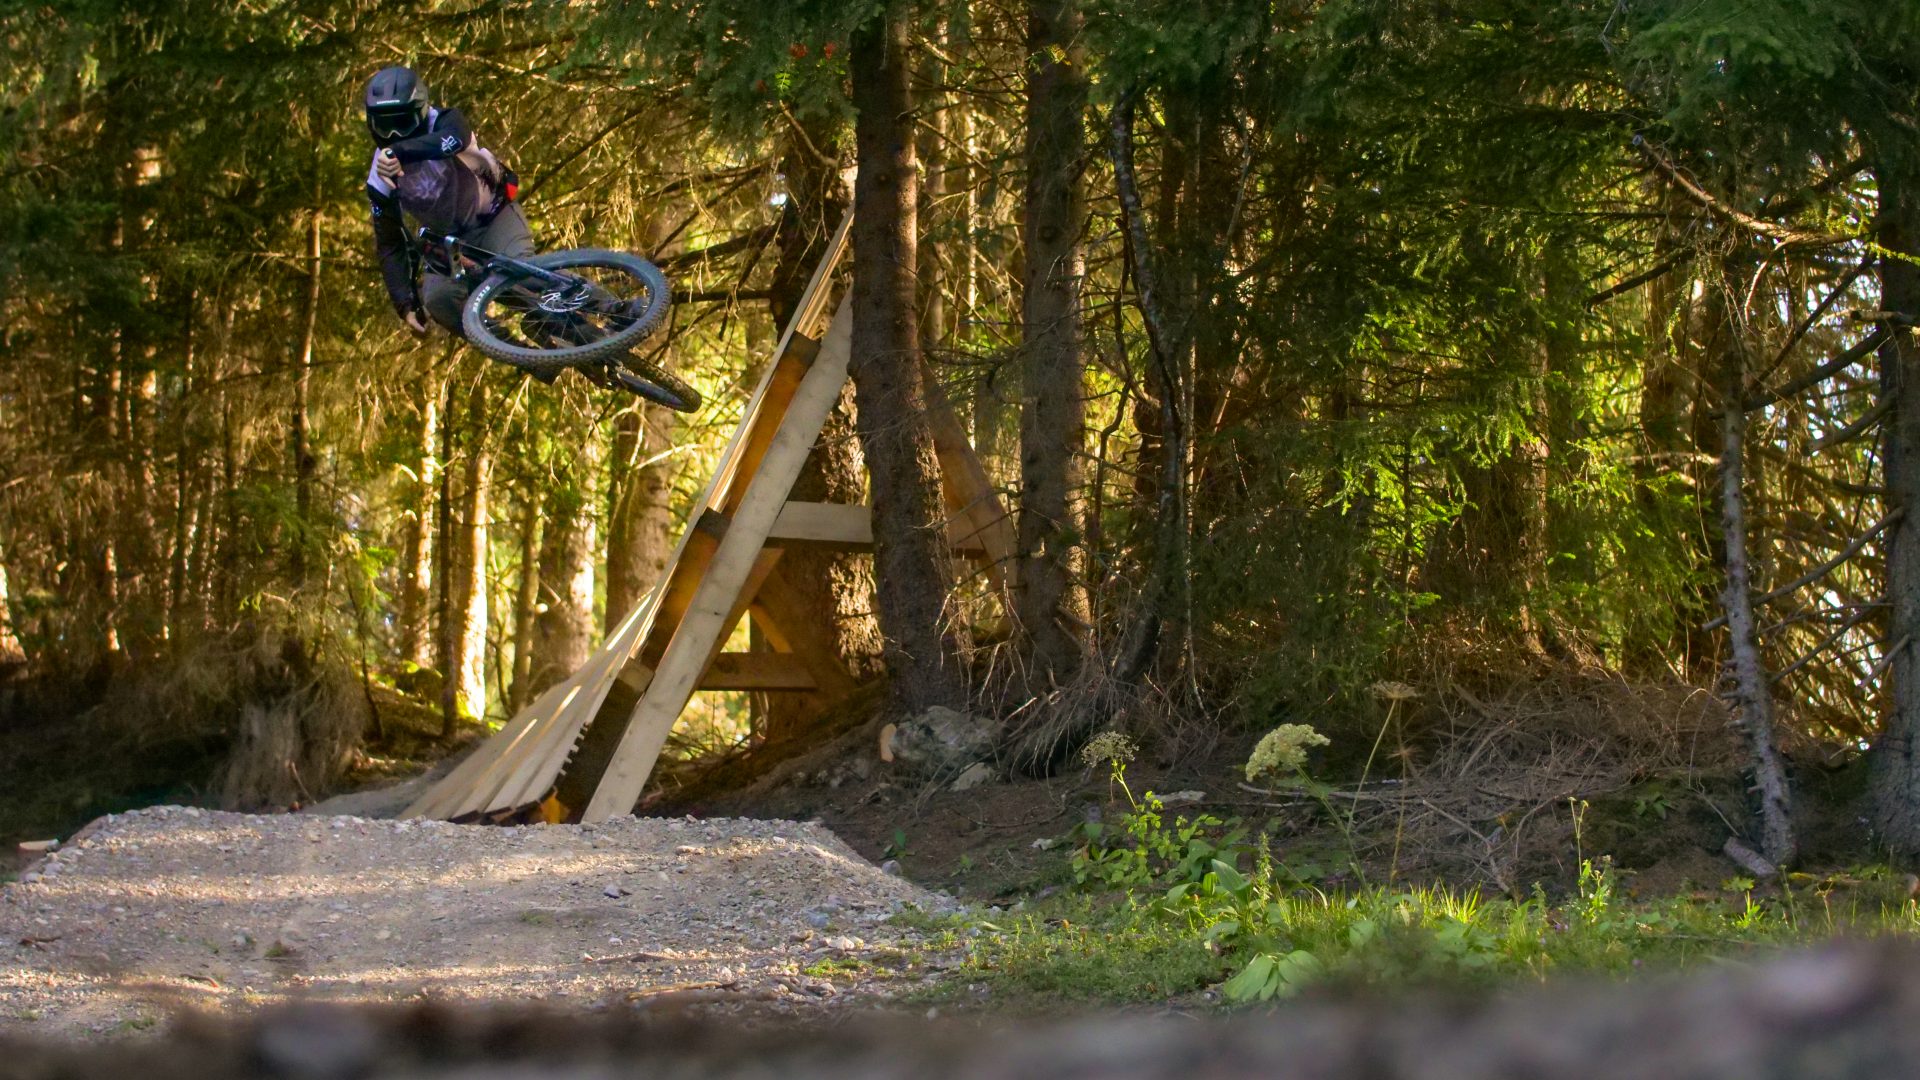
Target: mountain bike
{"type": "Point", "coordinates": [584, 309]}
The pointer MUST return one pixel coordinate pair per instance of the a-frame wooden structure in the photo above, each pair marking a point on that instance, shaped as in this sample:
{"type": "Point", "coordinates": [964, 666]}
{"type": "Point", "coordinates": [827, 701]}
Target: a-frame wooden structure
{"type": "Point", "coordinates": [585, 747]}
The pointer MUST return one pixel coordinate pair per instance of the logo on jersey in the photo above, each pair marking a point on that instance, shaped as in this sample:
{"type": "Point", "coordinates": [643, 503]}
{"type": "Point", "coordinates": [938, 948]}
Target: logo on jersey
{"type": "Point", "coordinates": [450, 143]}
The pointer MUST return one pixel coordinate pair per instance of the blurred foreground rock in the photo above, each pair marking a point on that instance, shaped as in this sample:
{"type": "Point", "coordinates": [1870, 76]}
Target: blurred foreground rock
{"type": "Point", "coordinates": [1841, 1012]}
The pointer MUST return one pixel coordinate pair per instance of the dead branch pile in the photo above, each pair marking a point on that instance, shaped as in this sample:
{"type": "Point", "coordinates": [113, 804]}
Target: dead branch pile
{"type": "Point", "coordinates": [1488, 788]}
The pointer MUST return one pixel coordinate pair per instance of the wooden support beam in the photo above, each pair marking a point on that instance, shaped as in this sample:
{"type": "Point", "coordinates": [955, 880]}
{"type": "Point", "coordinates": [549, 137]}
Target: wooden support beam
{"type": "Point", "coordinates": [763, 494]}
{"type": "Point", "coordinates": [792, 627]}
{"type": "Point", "coordinates": [757, 671]}
{"type": "Point", "coordinates": [849, 527]}
{"type": "Point", "coordinates": [969, 492]}
{"type": "Point", "coordinates": [763, 565]}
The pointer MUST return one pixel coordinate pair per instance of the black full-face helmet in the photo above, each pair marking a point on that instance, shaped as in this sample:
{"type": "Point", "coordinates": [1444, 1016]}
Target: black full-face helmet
{"type": "Point", "coordinates": [396, 105]}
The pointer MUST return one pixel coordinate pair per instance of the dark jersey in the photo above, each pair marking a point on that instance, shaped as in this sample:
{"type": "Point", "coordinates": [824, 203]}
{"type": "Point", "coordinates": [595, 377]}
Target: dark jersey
{"type": "Point", "coordinates": [449, 187]}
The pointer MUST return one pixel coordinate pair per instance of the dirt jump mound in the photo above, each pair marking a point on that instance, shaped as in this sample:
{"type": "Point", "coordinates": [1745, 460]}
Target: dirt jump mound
{"type": "Point", "coordinates": [151, 911]}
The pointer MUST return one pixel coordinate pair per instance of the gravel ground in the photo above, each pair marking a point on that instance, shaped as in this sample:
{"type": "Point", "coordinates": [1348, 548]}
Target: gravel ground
{"type": "Point", "coordinates": [148, 912]}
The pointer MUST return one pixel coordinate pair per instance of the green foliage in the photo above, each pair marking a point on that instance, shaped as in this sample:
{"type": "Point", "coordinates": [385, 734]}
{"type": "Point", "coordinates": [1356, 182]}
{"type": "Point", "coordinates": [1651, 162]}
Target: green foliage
{"type": "Point", "coordinates": [1146, 849]}
{"type": "Point", "coordinates": [1255, 937]}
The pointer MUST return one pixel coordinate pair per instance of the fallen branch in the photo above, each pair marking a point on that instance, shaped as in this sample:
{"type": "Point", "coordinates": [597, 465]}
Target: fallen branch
{"type": "Point", "coordinates": [1749, 860]}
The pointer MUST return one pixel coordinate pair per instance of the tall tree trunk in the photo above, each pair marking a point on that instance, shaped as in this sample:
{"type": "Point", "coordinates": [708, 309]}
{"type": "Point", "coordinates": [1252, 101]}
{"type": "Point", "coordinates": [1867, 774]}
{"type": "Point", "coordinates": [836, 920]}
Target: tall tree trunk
{"type": "Point", "coordinates": [526, 602]}
{"type": "Point", "coordinates": [185, 481]}
{"type": "Point", "coordinates": [12, 655]}
{"type": "Point", "coordinates": [839, 588]}
{"type": "Point", "coordinates": [1169, 346]}
{"type": "Point", "coordinates": [911, 561]}
{"type": "Point", "coordinates": [1750, 691]}
{"type": "Point", "coordinates": [463, 541]}
{"type": "Point", "coordinates": [639, 506]}
{"type": "Point", "coordinates": [1052, 395]}
{"type": "Point", "coordinates": [300, 451]}
{"type": "Point", "coordinates": [1896, 754]}
{"type": "Point", "coordinates": [411, 632]}
{"type": "Point", "coordinates": [563, 623]}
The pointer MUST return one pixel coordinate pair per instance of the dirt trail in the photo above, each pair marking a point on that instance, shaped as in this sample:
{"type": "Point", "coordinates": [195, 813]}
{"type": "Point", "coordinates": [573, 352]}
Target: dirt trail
{"type": "Point", "coordinates": [147, 912]}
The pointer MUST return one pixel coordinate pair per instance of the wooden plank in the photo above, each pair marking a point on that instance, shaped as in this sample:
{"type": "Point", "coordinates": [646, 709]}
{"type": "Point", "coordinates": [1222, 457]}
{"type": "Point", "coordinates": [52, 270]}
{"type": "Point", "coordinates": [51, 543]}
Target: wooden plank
{"type": "Point", "coordinates": [763, 412]}
{"type": "Point", "coordinates": [683, 580]}
{"type": "Point", "coordinates": [763, 565]}
{"type": "Point", "coordinates": [969, 491]}
{"type": "Point", "coordinates": [833, 526]}
{"type": "Point", "coordinates": [757, 671]}
{"type": "Point", "coordinates": [686, 657]}
{"type": "Point", "coordinates": [849, 527]}
{"type": "Point", "coordinates": [526, 755]}
{"type": "Point", "coordinates": [452, 787]}
{"type": "Point", "coordinates": [791, 627]}
{"type": "Point", "coordinates": [789, 369]}
{"type": "Point", "coordinates": [525, 739]}
{"type": "Point", "coordinates": [546, 755]}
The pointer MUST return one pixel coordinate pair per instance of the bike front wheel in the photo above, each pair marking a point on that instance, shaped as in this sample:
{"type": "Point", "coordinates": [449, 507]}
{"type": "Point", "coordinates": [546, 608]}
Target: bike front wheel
{"type": "Point", "coordinates": [604, 304]}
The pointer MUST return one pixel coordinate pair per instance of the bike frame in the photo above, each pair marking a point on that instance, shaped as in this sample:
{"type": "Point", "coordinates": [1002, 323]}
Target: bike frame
{"type": "Point", "coordinates": [495, 261]}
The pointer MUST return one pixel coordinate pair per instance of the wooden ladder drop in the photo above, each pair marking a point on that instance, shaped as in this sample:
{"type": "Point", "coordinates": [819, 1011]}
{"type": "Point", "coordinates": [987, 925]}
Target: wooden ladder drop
{"type": "Point", "coordinates": [594, 737]}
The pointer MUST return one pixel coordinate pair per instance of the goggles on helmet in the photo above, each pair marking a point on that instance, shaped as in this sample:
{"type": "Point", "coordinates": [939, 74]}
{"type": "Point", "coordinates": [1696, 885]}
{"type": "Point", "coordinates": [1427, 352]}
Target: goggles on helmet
{"type": "Point", "coordinates": [392, 121]}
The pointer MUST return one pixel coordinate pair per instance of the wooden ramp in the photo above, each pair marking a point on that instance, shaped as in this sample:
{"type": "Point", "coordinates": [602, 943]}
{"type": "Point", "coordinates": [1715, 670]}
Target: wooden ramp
{"type": "Point", "coordinates": [596, 735]}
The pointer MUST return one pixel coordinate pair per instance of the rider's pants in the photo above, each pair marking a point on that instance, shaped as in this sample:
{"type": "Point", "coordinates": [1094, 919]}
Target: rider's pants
{"type": "Point", "coordinates": [506, 234]}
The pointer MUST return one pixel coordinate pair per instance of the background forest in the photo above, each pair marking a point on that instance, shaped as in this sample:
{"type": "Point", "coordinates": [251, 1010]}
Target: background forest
{"type": "Point", "coordinates": [1318, 346]}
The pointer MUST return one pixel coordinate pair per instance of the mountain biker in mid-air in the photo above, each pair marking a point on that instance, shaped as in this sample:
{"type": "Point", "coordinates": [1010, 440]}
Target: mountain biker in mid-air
{"type": "Point", "coordinates": [578, 310]}
{"type": "Point", "coordinates": [428, 166]}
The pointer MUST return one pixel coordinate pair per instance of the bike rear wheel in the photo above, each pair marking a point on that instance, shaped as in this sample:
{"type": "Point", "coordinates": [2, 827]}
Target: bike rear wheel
{"type": "Point", "coordinates": [657, 385]}
{"type": "Point", "coordinates": [608, 302]}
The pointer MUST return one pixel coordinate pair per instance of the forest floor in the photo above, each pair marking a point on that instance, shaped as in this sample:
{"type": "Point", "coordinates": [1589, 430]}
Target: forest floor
{"type": "Point", "coordinates": [1587, 841]}
{"type": "Point", "coordinates": [150, 911]}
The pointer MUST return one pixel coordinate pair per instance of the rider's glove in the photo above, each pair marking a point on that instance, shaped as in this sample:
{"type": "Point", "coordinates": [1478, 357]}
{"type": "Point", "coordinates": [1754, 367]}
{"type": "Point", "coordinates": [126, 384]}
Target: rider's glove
{"type": "Point", "coordinates": [387, 166]}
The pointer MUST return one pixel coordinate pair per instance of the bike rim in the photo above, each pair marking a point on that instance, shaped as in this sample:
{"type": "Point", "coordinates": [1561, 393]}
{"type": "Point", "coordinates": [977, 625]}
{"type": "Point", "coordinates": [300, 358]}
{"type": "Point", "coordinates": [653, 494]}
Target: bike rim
{"type": "Point", "coordinates": [578, 306]}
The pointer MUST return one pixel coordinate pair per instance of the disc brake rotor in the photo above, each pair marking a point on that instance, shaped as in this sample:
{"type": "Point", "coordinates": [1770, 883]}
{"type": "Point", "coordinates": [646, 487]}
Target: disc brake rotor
{"type": "Point", "coordinates": [566, 299]}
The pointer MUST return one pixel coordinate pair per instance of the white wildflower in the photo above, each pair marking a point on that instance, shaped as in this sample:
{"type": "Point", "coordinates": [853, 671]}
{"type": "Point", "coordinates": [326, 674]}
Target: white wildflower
{"type": "Point", "coordinates": [1108, 746]}
{"type": "Point", "coordinates": [1390, 690]}
{"type": "Point", "coordinates": [1283, 751]}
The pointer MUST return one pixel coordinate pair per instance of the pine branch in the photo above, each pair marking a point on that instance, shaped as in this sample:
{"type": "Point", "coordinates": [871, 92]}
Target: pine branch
{"type": "Point", "coordinates": [1824, 568]}
{"type": "Point", "coordinates": [1793, 387]}
{"type": "Point", "coordinates": [1784, 233]}
{"type": "Point", "coordinates": [1857, 428]}
{"type": "Point", "coordinates": [1655, 273]}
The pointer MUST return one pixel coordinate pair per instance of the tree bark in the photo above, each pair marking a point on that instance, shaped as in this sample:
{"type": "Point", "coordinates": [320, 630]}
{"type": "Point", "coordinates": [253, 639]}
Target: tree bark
{"type": "Point", "coordinates": [563, 620]}
{"type": "Point", "coordinates": [931, 150]}
{"type": "Point", "coordinates": [416, 568]}
{"type": "Point", "coordinates": [463, 630]}
{"type": "Point", "coordinates": [1052, 396]}
{"type": "Point", "coordinates": [1750, 692]}
{"type": "Point", "coordinates": [300, 450]}
{"type": "Point", "coordinates": [1168, 347]}
{"type": "Point", "coordinates": [526, 598]}
{"type": "Point", "coordinates": [1896, 766]}
{"type": "Point", "coordinates": [912, 565]}
{"type": "Point", "coordinates": [640, 509]}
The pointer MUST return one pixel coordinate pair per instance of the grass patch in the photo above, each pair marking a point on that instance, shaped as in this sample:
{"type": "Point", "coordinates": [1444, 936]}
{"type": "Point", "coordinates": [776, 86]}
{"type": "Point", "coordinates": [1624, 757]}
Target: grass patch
{"type": "Point", "coordinates": [1168, 907]}
{"type": "Point", "coordinates": [1255, 939]}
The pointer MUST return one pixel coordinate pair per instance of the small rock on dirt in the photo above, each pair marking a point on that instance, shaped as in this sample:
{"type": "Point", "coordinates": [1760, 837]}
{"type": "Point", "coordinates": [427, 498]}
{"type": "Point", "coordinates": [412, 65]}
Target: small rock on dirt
{"type": "Point", "coordinates": [942, 742]}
